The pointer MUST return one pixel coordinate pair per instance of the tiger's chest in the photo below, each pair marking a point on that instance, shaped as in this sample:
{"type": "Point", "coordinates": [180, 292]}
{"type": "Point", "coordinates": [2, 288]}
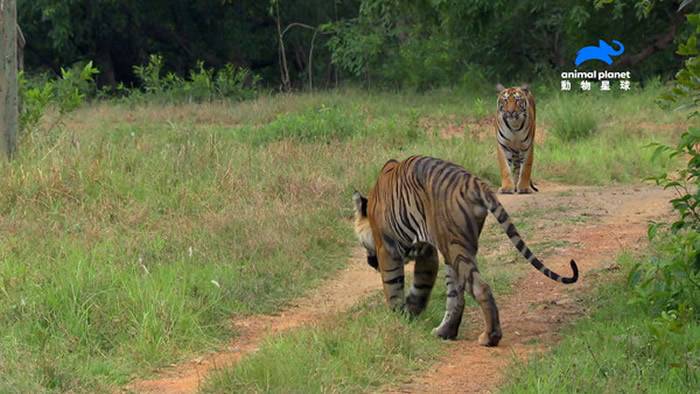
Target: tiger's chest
{"type": "Point", "coordinates": [516, 140]}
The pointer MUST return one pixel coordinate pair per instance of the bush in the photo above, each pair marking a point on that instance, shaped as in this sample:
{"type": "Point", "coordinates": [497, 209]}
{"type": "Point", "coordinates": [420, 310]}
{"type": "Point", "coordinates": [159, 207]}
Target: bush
{"type": "Point", "coordinates": [65, 94]}
{"type": "Point", "coordinates": [670, 284]}
{"type": "Point", "coordinates": [202, 85]}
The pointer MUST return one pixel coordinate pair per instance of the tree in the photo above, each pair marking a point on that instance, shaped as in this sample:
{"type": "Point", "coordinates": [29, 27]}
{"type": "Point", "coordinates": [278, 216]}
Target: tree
{"type": "Point", "coordinates": [8, 77]}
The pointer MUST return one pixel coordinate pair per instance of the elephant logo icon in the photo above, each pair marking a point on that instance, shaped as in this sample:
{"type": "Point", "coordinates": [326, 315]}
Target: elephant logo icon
{"type": "Point", "coordinates": [603, 52]}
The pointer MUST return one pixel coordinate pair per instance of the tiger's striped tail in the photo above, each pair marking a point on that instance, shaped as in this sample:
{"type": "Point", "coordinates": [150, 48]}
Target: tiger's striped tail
{"type": "Point", "coordinates": [503, 218]}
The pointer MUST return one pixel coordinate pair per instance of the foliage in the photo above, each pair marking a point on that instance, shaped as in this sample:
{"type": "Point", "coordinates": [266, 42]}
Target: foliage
{"type": "Point", "coordinates": [65, 93]}
{"type": "Point", "coordinates": [669, 284]}
{"type": "Point", "coordinates": [424, 44]}
{"type": "Point", "coordinates": [686, 91]}
{"type": "Point", "coordinates": [418, 45]}
{"type": "Point", "coordinates": [686, 182]}
{"type": "Point", "coordinates": [202, 84]}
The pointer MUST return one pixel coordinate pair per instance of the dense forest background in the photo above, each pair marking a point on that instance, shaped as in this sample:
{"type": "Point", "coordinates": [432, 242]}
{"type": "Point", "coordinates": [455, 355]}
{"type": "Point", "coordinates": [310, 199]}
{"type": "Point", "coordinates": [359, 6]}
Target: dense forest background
{"type": "Point", "coordinates": [289, 44]}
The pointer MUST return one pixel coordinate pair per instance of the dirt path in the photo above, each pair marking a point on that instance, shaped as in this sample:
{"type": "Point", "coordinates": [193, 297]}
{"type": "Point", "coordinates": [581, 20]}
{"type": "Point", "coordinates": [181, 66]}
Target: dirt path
{"type": "Point", "coordinates": [533, 313]}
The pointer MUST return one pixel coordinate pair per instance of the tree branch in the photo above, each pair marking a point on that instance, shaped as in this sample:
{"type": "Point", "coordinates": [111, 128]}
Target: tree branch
{"type": "Point", "coordinates": [660, 42]}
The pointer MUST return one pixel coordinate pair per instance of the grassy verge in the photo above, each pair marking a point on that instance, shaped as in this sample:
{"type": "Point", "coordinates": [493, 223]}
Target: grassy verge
{"type": "Point", "coordinates": [620, 348]}
{"type": "Point", "coordinates": [363, 349]}
{"type": "Point", "coordinates": [133, 233]}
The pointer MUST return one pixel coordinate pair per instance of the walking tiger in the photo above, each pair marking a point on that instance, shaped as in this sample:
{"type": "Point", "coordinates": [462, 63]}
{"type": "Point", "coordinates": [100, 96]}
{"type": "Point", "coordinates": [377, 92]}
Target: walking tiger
{"type": "Point", "coordinates": [423, 205]}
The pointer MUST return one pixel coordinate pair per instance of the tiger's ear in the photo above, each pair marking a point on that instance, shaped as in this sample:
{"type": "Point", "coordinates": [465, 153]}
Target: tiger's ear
{"type": "Point", "coordinates": [500, 87]}
{"type": "Point", "coordinates": [525, 87]}
{"type": "Point", "coordinates": [360, 204]}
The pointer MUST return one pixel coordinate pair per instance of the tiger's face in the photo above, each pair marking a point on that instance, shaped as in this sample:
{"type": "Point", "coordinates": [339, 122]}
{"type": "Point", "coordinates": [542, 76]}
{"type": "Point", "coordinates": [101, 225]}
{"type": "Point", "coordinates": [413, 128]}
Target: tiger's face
{"type": "Point", "coordinates": [513, 107]}
{"type": "Point", "coordinates": [363, 230]}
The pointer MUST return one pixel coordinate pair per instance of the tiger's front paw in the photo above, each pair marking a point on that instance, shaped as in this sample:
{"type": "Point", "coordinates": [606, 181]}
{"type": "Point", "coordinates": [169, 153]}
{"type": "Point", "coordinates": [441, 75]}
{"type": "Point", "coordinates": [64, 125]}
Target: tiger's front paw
{"type": "Point", "coordinates": [506, 190]}
{"type": "Point", "coordinates": [415, 305]}
{"type": "Point", "coordinates": [526, 190]}
{"type": "Point", "coordinates": [446, 331]}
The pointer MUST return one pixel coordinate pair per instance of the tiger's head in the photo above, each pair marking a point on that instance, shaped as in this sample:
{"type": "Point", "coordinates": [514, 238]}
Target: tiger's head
{"type": "Point", "coordinates": [363, 230]}
{"type": "Point", "coordinates": [513, 106]}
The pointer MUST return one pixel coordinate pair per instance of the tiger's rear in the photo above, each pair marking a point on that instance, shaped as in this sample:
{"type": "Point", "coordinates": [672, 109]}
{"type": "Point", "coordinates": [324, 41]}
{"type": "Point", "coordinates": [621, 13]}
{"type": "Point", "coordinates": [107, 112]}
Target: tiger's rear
{"type": "Point", "coordinates": [424, 205]}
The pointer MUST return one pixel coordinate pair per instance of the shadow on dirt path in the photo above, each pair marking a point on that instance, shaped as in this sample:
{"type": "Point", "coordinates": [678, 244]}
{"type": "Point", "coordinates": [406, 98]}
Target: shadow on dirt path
{"type": "Point", "coordinates": [532, 314]}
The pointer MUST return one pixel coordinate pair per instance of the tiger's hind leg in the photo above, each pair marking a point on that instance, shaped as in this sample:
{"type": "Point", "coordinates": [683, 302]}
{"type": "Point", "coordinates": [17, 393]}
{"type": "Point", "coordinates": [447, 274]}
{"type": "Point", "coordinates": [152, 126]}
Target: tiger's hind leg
{"type": "Point", "coordinates": [449, 327]}
{"type": "Point", "coordinates": [481, 292]}
{"type": "Point", "coordinates": [467, 276]}
{"type": "Point", "coordinates": [425, 272]}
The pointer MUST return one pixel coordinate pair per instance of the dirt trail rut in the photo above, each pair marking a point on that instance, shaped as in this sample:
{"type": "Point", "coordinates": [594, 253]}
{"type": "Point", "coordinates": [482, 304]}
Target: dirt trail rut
{"type": "Point", "coordinates": [533, 313]}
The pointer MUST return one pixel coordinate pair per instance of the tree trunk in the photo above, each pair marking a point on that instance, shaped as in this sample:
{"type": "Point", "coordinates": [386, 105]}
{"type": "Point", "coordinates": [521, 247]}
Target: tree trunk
{"type": "Point", "coordinates": [284, 70]}
{"type": "Point", "coordinates": [21, 42]}
{"type": "Point", "coordinates": [8, 77]}
{"type": "Point", "coordinates": [105, 64]}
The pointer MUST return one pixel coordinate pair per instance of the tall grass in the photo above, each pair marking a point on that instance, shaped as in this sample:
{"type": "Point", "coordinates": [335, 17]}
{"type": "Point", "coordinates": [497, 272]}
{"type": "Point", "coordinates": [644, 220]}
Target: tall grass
{"type": "Point", "coordinates": [573, 117]}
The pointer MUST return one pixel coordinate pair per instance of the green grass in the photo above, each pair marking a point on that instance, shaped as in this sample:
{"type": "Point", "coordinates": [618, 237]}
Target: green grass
{"type": "Point", "coordinates": [364, 349]}
{"type": "Point", "coordinates": [134, 233]}
{"type": "Point", "coordinates": [615, 350]}
{"type": "Point", "coordinates": [572, 117]}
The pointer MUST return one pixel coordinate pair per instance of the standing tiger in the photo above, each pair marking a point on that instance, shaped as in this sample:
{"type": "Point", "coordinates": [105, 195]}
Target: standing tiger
{"type": "Point", "coordinates": [515, 132]}
{"type": "Point", "coordinates": [423, 205]}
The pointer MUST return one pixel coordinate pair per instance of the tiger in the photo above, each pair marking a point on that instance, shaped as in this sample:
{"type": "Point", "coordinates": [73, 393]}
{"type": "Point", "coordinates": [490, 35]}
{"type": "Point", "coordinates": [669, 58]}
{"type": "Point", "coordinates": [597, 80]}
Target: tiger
{"type": "Point", "coordinates": [515, 133]}
{"type": "Point", "coordinates": [422, 206]}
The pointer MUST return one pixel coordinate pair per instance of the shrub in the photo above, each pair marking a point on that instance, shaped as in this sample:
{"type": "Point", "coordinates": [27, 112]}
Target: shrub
{"type": "Point", "coordinates": [65, 94]}
{"type": "Point", "coordinates": [202, 85]}
{"type": "Point", "coordinates": [670, 284]}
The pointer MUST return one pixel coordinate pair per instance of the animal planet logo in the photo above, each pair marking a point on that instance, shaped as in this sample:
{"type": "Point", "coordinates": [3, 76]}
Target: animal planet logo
{"type": "Point", "coordinates": [603, 52]}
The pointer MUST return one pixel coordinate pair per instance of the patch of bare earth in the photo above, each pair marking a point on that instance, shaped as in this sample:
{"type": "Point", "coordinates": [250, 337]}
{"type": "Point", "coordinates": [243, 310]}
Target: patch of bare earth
{"type": "Point", "coordinates": [532, 315]}
{"type": "Point", "coordinates": [597, 223]}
